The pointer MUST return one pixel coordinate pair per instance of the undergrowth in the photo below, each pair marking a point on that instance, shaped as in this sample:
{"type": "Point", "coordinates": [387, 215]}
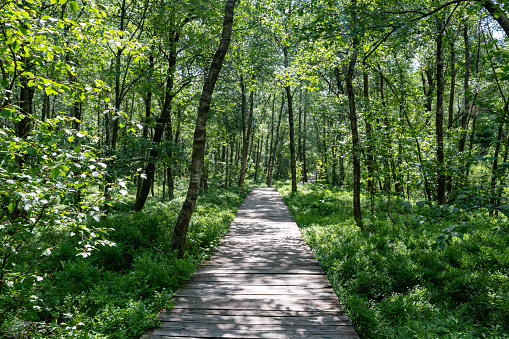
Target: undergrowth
{"type": "Point", "coordinates": [392, 281]}
{"type": "Point", "coordinates": [117, 291]}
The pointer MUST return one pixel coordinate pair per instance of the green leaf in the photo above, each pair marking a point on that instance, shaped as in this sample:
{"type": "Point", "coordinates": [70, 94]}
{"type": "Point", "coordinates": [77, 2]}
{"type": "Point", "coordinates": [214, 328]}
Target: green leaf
{"type": "Point", "coordinates": [71, 138]}
{"type": "Point", "coordinates": [16, 45]}
{"type": "Point", "coordinates": [74, 5]}
{"type": "Point", "coordinates": [63, 2]}
{"type": "Point", "coordinates": [11, 207]}
{"type": "Point", "coordinates": [55, 172]}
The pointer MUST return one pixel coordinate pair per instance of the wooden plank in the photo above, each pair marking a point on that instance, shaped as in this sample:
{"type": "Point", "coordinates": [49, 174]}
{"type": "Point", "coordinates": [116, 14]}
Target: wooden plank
{"type": "Point", "coordinates": [258, 312]}
{"type": "Point", "coordinates": [241, 284]}
{"type": "Point", "coordinates": [261, 279]}
{"type": "Point", "coordinates": [257, 289]}
{"type": "Point", "coordinates": [261, 294]}
{"type": "Point", "coordinates": [278, 303]}
{"type": "Point", "coordinates": [275, 270]}
{"type": "Point", "coordinates": [345, 332]}
{"type": "Point", "coordinates": [233, 263]}
{"type": "Point", "coordinates": [255, 320]}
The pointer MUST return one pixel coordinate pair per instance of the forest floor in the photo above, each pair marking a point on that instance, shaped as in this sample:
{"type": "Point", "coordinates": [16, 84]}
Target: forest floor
{"type": "Point", "coordinates": [262, 282]}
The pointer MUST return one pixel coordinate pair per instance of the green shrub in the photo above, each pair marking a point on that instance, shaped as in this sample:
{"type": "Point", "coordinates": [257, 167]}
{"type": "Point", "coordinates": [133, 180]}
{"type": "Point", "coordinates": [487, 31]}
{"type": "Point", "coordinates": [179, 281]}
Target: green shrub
{"type": "Point", "coordinates": [391, 282]}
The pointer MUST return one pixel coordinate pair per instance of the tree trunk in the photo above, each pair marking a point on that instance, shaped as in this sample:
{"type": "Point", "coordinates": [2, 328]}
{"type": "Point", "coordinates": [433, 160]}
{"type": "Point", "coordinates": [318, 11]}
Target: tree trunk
{"type": "Point", "coordinates": [369, 136]}
{"type": "Point", "coordinates": [299, 137]}
{"type": "Point", "coordinates": [466, 85]}
{"type": "Point", "coordinates": [246, 131]}
{"type": "Point", "coordinates": [224, 159]}
{"type": "Point", "coordinates": [494, 170]}
{"type": "Point", "coordinates": [440, 122]}
{"type": "Point", "coordinates": [45, 107]}
{"type": "Point", "coordinates": [26, 95]}
{"type": "Point", "coordinates": [453, 87]}
{"type": "Point", "coordinates": [178, 240]}
{"type": "Point", "coordinates": [293, 163]}
{"type": "Point", "coordinates": [273, 150]}
{"type": "Point", "coordinates": [304, 137]}
{"type": "Point", "coordinates": [497, 13]}
{"type": "Point", "coordinates": [232, 150]}
{"type": "Point", "coordinates": [269, 149]}
{"type": "Point", "coordinates": [355, 137]}
{"type": "Point", "coordinates": [258, 155]}
{"type": "Point", "coordinates": [450, 118]}
{"type": "Point", "coordinates": [387, 159]}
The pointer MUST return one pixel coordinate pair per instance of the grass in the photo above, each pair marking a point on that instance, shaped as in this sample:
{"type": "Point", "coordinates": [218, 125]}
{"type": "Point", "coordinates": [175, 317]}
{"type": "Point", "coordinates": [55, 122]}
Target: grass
{"type": "Point", "coordinates": [392, 283]}
{"type": "Point", "coordinates": [117, 291]}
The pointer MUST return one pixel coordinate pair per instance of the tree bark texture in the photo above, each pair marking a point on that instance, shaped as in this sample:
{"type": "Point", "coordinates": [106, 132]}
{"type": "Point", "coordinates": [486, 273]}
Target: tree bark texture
{"type": "Point", "coordinates": [272, 157]}
{"type": "Point", "coordinates": [466, 87]}
{"type": "Point", "coordinates": [180, 231]}
{"type": "Point", "coordinates": [304, 137]}
{"type": "Point", "coordinates": [440, 122]}
{"type": "Point", "coordinates": [293, 162]}
{"type": "Point", "coordinates": [247, 123]}
{"type": "Point", "coordinates": [355, 137]}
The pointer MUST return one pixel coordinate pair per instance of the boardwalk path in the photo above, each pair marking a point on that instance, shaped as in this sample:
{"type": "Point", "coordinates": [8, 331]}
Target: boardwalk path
{"type": "Point", "coordinates": [262, 282]}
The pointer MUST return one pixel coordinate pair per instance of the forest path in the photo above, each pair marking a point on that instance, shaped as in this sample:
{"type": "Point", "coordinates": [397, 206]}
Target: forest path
{"type": "Point", "coordinates": [262, 282]}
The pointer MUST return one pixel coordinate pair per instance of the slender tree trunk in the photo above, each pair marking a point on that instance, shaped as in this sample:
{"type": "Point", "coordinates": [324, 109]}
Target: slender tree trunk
{"type": "Point", "coordinates": [273, 150]}
{"type": "Point", "coordinates": [453, 87]}
{"type": "Point", "coordinates": [325, 154]}
{"type": "Point", "coordinates": [169, 168]}
{"type": "Point", "coordinates": [299, 140]}
{"type": "Point", "coordinates": [246, 132]}
{"type": "Point", "coordinates": [466, 87]}
{"type": "Point", "coordinates": [26, 95]}
{"type": "Point", "coordinates": [164, 184]}
{"type": "Point", "coordinates": [388, 162]}
{"type": "Point", "coordinates": [440, 122]}
{"type": "Point", "coordinates": [232, 150]}
{"type": "Point", "coordinates": [268, 151]}
{"type": "Point", "coordinates": [450, 118]}
{"type": "Point", "coordinates": [369, 136]}
{"type": "Point", "coordinates": [258, 155]}
{"type": "Point", "coordinates": [502, 181]}
{"type": "Point", "coordinates": [224, 160]}
{"type": "Point", "coordinates": [304, 137]}
{"type": "Point", "coordinates": [494, 170]}
{"type": "Point", "coordinates": [45, 107]}
{"type": "Point", "coordinates": [355, 137]}
{"type": "Point", "coordinates": [178, 240]}
{"type": "Point", "coordinates": [293, 162]}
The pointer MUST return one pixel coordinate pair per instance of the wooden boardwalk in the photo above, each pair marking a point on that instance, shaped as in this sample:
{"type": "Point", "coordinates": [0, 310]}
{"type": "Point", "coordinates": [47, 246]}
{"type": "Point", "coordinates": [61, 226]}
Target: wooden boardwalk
{"type": "Point", "coordinates": [262, 282]}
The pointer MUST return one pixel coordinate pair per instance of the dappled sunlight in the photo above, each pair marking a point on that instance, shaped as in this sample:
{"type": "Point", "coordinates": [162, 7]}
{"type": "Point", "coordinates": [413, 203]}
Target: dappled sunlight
{"type": "Point", "coordinates": [262, 282]}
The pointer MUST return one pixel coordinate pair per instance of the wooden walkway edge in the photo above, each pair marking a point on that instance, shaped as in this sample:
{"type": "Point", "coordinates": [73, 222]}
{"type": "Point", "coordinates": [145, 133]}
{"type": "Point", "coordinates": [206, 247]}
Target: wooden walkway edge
{"type": "Point", "coordinates": [262, 282]}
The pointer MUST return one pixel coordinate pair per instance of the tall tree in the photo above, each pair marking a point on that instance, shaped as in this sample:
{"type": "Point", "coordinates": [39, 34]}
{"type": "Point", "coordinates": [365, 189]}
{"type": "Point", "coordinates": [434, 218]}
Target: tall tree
{"type": "Point", "coordinates": [180, 231]}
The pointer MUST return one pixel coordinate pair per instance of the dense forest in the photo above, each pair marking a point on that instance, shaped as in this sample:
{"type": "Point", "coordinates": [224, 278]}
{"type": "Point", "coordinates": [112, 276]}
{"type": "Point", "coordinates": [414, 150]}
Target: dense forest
{"type": "Point", "coordinates": [131, 131]}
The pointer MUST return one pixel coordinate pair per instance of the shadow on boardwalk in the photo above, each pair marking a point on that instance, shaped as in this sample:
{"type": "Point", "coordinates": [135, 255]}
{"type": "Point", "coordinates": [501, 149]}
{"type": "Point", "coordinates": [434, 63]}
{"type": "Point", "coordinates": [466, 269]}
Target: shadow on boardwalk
{"type": "Point", "coordinates": [262, 282]}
